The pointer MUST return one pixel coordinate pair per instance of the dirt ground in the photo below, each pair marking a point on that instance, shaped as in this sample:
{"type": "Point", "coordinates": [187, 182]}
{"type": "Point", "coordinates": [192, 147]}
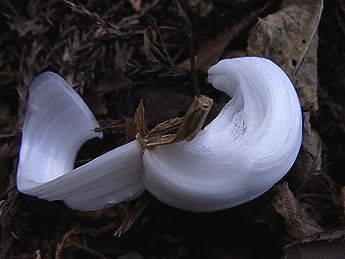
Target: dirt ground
{"type": "Point", "coordinates": [117, 53]}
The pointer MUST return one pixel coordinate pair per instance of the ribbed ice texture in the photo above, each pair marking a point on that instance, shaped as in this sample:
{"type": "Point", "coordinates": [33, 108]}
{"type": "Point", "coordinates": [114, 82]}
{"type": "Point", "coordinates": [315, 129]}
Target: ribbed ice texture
{"type": "Point", "coordinates": [251, 144]}
{"type": "Point", "coordinates": [56, 124]}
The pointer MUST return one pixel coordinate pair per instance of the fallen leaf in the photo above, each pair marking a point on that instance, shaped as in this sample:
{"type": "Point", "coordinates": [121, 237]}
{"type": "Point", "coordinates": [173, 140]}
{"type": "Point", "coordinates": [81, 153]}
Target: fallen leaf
{"type": "Point", "coordinates": [285, 216]}
{"type": "Point", "coordinates": [305, 79]}
{"type": "Point", "coordinates": [318, 249]}
{"type": "Point", "coordinates": [289, 38]}
{"type": "Point", "coordinates": [308, 161]}
{"type": "Point", "coordinates": [328, 244]}
{"type": "Point", "coordinates": [286, 35]}
{"type": "Point", "coordinates": [297, 222]}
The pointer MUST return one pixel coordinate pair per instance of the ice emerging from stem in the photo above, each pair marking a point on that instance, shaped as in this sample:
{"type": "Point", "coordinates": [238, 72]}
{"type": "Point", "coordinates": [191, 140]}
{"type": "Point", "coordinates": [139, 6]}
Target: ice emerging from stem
{"type": "Point", "coordinates": [242, 153]}
{"type": "Point", "coordinates": [249, 146]}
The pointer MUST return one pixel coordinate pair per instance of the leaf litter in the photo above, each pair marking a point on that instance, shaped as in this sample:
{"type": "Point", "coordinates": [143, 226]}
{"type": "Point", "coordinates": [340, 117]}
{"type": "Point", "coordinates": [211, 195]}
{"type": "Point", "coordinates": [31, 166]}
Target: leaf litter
{"type": "Point", "coordinates": [119, 54]}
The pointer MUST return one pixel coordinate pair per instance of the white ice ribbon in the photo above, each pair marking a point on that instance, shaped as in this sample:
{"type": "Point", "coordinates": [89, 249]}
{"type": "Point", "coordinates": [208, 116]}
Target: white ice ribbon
{"type": "Point", "coordinates": [250, 145]}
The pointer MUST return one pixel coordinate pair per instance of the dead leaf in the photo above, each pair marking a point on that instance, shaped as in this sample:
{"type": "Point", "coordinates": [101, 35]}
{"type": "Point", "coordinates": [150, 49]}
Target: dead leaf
{"type": "Point", "coordinates": [328, 244]}
{"type": "Point", "coordinates": [305, 80]}
{"type": "Point", "coordinates": [308, 161]}
{"type": "Point", "coordinates": [297, 222]}
{"type": "Point", "coordinates": [320, 249]}
{"type": "Point", "coordinates": [286, 35]}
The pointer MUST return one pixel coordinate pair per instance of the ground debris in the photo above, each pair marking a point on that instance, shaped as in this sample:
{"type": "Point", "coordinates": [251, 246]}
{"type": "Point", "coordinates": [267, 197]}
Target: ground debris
{"type": "Point", "coordinates": [178, 129]}
{"type": "Point", "coordinates": [121, 55]}
{"type": "Point", "coordinates": [286, 35]}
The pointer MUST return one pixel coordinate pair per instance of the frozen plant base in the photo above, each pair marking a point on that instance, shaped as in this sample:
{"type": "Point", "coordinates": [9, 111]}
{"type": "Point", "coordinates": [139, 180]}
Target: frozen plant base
{"type": "Point", "coordinates": [242, 153]}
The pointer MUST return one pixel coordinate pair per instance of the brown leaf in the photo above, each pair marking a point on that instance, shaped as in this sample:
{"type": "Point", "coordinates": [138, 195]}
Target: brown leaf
{"type": "Point", "coordinates": [286, 35]}
{"type": "Point", "coordinates": [297, 222]}
{"type": "Point", "coordinates": [305, 79]}
{"type": "Point", "coordinates": [308, 161]}
{"type": "Point", "coordinates": [328, 244]}
{"type": "Point", "coordinates": [320, 249]}
{"type": "Point", "coordinates": [288, 38]}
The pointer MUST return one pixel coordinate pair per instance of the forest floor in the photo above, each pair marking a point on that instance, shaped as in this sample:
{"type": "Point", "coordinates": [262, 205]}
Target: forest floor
{"type": "Point", "coordinates": [117, 53]}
